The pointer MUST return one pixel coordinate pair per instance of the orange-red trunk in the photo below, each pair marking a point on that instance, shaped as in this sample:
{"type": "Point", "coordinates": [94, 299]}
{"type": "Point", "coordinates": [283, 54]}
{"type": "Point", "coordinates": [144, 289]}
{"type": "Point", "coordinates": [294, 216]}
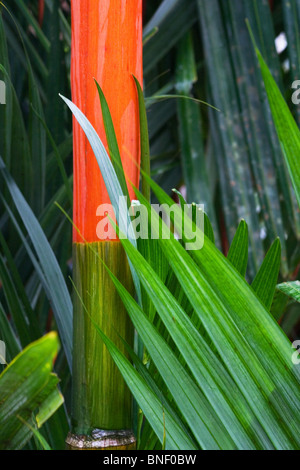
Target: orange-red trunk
{"type": "Point", "coordinates": [106, 45]}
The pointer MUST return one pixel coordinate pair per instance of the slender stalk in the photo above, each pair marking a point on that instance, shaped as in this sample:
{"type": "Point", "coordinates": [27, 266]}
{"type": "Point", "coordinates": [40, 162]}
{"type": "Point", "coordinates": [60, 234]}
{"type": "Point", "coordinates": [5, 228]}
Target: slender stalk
{"type": "Point", "coordinates": [106, 45]}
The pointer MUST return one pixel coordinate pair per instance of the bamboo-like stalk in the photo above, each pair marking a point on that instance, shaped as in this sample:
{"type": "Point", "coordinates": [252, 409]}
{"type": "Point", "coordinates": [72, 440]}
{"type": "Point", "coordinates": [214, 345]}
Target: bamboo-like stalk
{"type": "Point", "coordinates": [101, 400]}
{"type": "Point", "coordinates": [106, 45]}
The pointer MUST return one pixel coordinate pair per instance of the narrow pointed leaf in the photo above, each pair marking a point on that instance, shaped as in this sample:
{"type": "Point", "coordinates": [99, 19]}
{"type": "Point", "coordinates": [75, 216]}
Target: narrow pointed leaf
{"type": "Point", "coordinates": [287, 129]}
{"type": "Point", "coordinates": [238, 252]}
{"type": "Point", "coordinates": [265, 281]}
{"type": "Point", "coordinates": [112, 141]}
{"type": "Point", "coordinates": [145, 150]}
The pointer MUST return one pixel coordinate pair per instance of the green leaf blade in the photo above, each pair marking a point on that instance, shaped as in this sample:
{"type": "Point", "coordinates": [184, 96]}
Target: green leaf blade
{"type": "Point", "coordinates": [265, 281]}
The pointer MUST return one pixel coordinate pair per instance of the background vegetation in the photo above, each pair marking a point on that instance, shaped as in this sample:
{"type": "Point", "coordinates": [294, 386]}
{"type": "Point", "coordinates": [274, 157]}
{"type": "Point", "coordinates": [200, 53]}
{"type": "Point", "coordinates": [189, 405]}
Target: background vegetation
{"type": "Point", "coordinates": [232, 161]}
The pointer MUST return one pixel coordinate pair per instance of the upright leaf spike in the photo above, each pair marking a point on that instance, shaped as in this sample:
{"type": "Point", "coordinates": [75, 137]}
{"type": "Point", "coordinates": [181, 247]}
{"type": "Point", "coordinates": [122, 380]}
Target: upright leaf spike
{"type": "Point", "coordinates": [238, 252]}
{"type": "Point", "coordinates": [286, 127]}
{"type": "Point", "coordinates": [144, 135]}
{"type": "Point", "coordinates": [265, 281]}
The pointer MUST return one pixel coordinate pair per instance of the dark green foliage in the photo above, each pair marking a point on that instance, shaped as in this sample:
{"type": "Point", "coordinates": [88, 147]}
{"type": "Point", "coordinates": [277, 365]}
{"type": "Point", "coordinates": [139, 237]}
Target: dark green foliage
{"type": "Point", "coordinates": [196, 313]}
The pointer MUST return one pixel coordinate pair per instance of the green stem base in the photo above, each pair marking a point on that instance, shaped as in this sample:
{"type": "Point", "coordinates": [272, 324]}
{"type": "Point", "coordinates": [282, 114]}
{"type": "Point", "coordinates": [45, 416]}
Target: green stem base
{"type": "Point", "coordinates": [100, 397]}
